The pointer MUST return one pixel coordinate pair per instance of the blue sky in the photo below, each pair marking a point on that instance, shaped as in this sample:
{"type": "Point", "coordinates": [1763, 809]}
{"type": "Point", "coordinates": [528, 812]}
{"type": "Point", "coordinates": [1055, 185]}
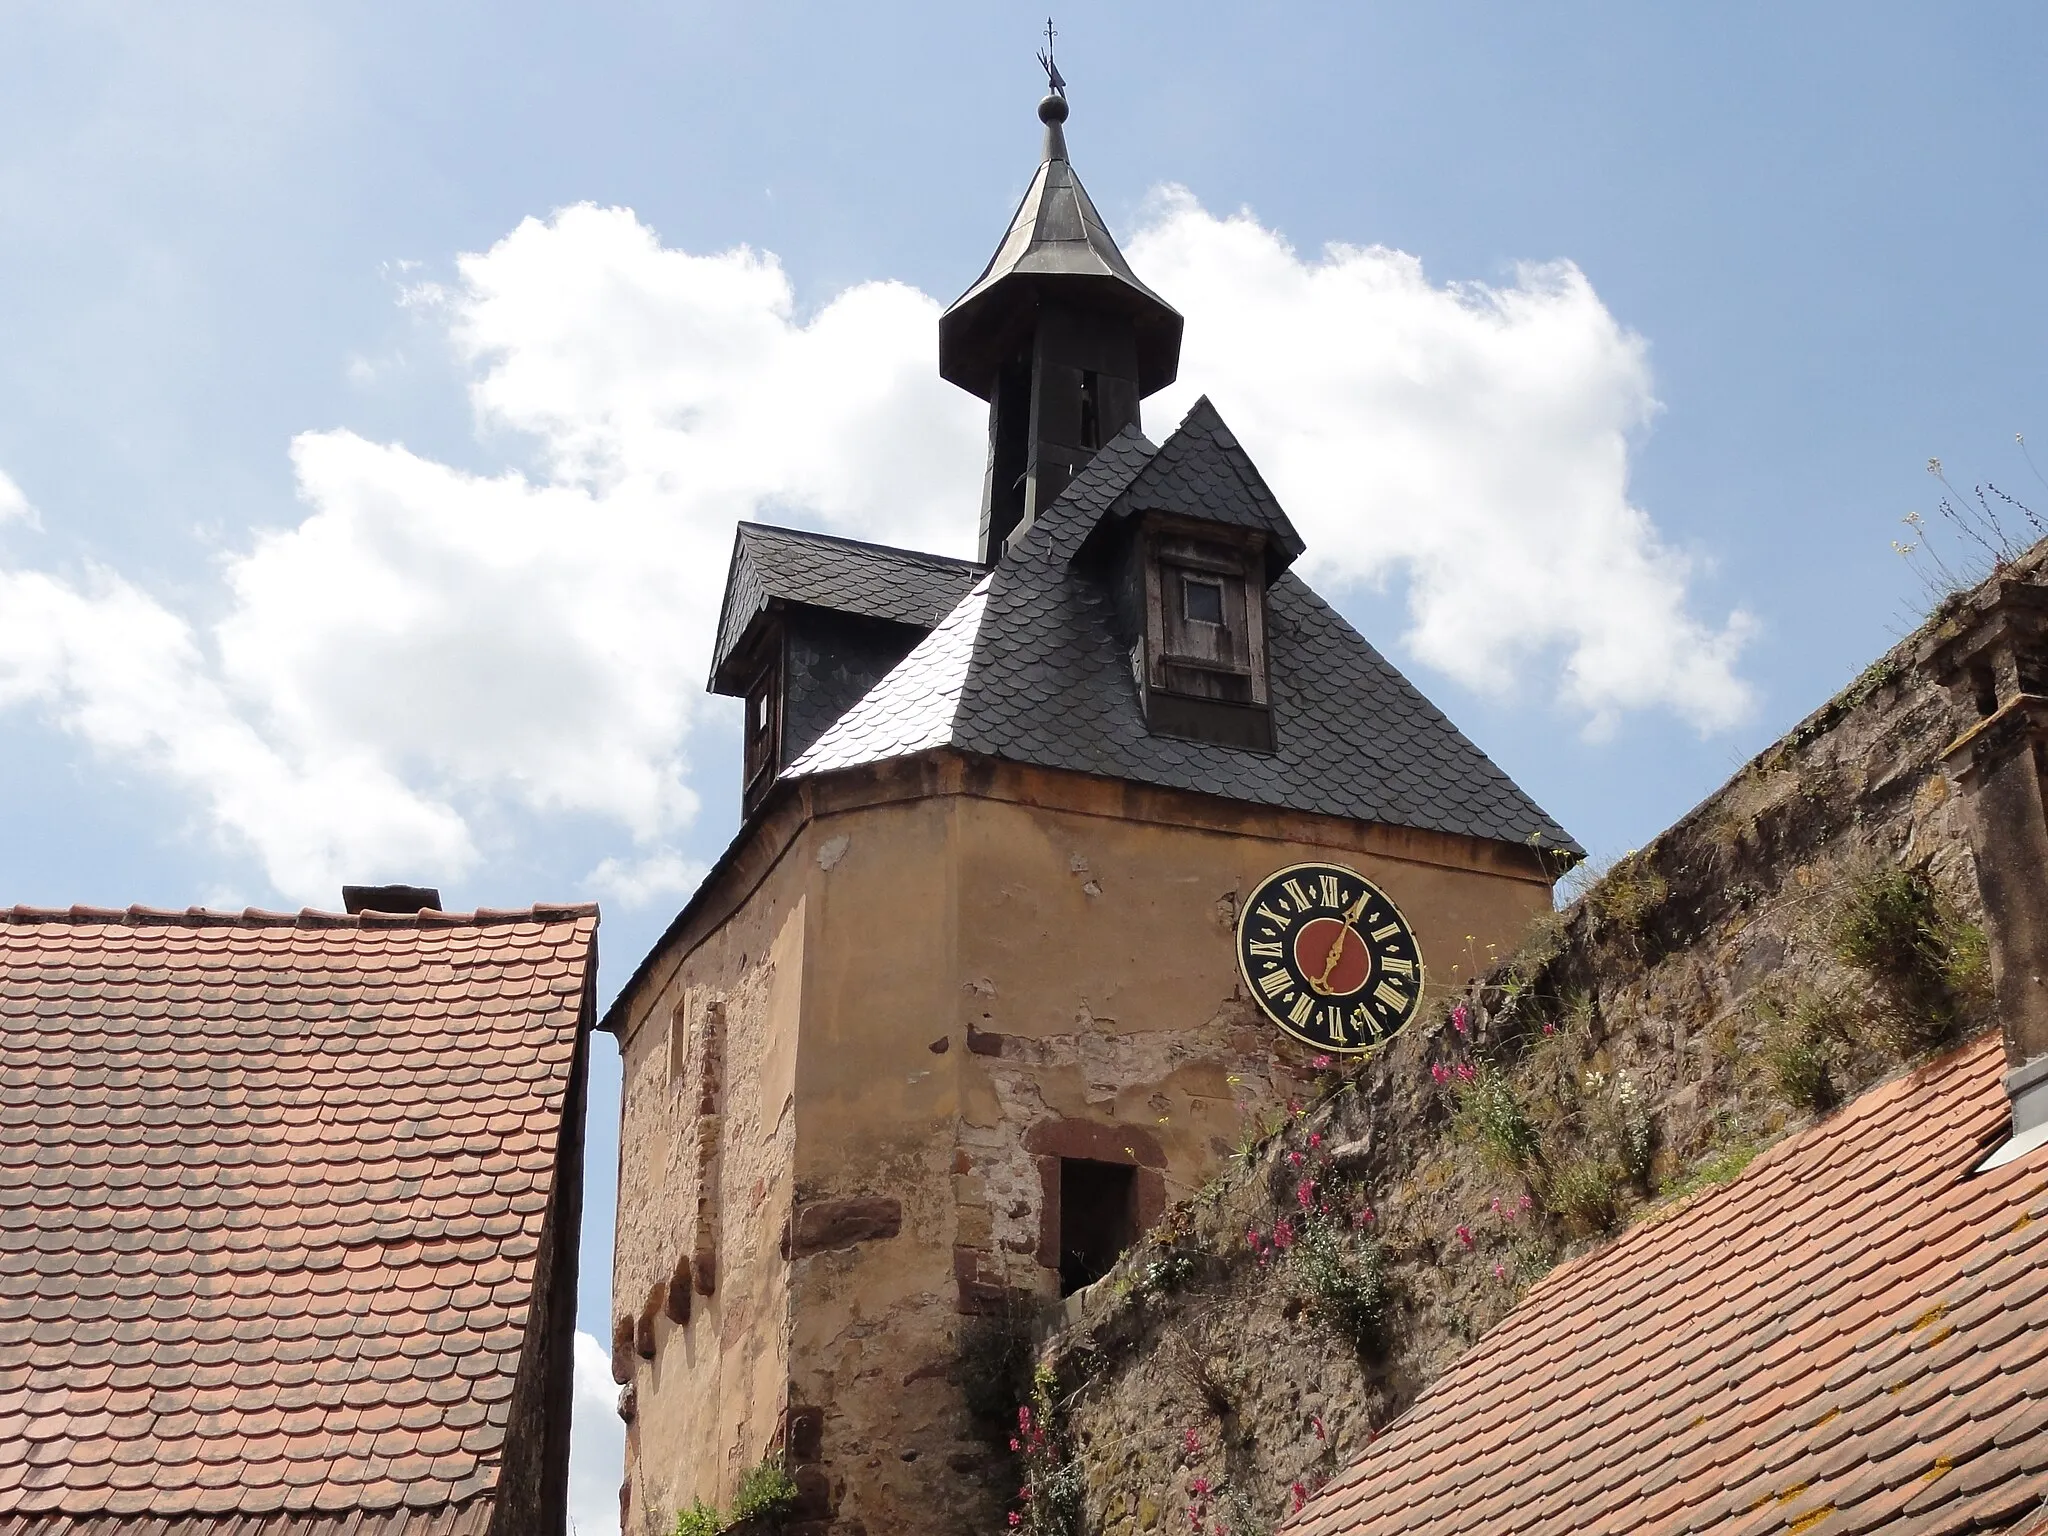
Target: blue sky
{"type": "Point", "coordinates": [1624, 503]}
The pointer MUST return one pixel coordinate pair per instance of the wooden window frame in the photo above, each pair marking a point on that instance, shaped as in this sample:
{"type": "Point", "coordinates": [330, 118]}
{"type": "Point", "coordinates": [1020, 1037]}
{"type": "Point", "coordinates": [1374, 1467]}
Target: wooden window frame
{"type": "Point", "coordinates": [761, 747]}
{"type": "Point", "coordinates": [1224, 699]}
{"type": "Point", "coordinates": [1197, 549]}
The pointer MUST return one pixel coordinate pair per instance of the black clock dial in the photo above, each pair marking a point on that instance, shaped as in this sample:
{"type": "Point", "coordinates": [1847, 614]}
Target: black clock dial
{"type": "Point", "coordinates": [1328, 957]}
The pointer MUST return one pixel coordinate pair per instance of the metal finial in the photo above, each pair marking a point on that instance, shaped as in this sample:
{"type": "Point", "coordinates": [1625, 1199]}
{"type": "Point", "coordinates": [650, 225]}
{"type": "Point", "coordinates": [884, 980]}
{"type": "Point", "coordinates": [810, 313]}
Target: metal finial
{"type": "Point", "coordinates": [1053, 81]}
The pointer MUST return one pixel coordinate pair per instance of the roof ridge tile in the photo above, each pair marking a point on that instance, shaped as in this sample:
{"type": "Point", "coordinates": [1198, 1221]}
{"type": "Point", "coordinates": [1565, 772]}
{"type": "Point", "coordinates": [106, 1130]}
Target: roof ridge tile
{"type": "Point", "coordinates": [548, 913]}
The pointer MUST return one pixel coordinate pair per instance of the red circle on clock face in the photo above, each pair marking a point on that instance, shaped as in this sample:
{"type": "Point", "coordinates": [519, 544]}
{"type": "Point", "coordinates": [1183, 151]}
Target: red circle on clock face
{"type": "Point", "coordinates": [1312, 946]}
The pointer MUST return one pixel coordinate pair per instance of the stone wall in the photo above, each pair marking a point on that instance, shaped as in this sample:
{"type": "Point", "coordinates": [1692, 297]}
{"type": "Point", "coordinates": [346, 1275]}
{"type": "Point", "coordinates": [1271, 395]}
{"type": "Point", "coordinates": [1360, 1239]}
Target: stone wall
{"type": "Point", "coordinates": [706, 1156]}
{"type": "Point", "coordinates": [1210, 1382]}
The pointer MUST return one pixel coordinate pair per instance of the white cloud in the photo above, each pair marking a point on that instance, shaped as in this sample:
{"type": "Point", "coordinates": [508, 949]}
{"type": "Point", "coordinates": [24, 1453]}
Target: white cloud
{"type": "Point", "coordinates": [429, 657]}
{"type": "Point", "coordinates": [14, 504]}
{"type": "Point", "coordinates": [637, 882]}
{"type": "Point", "coordinates": [118, 669]}
{"type": "Point", "coordinates": [429, 651]}
{"type": "Point", "coordinates": [597, 1444]}
{"type": "Point", "coordinates": [1472, 439]}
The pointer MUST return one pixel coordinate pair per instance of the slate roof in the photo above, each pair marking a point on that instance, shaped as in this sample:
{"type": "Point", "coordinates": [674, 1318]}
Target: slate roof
{"type": "Point", "coordinates": [272, 1190]}
{"type": "Point", "coordinates": [916, 711]}
{"type": "Point", "coordinates": [1851, 1337]}
{"type": "Point", "coordinates": [1048, 680]}
{"type": "Point", "coordinates": [786, 565]}
{"type": "Point", "coordinates": [1203, 472]}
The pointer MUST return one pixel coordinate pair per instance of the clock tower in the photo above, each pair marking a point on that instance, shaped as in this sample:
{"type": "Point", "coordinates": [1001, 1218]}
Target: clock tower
{"type": "Point", "coordinates": [1008, 940]}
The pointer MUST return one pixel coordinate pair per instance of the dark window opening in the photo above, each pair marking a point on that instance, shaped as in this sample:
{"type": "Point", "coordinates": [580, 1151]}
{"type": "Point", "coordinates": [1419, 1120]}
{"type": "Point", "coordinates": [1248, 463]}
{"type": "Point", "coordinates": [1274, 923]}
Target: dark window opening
{"type": "Point", "coordinates": [1091, 410]}
{"type": "Point", "coordinates": [1098, 1219]}
{"type": "Point", "coordinates": [1985, 685]}
{"type": "Point", "coordinates": [1202, 601]}
{"type": "Point", "coordinates": [760, 727]}
{"type": "Point", "coordinates": [1009, 459]}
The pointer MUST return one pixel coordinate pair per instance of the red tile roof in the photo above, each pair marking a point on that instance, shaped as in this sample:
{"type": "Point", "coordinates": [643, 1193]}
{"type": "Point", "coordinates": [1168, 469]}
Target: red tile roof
{"type": "Point", "coordinates": [272, 1189]}
{"type": "Point", "coordinates": [1851, 1337]}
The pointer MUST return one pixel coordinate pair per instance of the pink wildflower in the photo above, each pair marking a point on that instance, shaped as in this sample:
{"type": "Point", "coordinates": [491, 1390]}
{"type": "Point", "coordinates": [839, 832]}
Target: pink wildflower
{"type": "Point", "coordinates": [1363, 1218]}
{"type": "Point", "coordinates": [1465, 1236]}
{"type": "Point", "coordinates": [1190, 1443]}
{"type": "Point", "coordinates": [1200, 1487]}
{"type": "Point", "coordinates": [1458, 1018]}
{"type": "Point", "coordinates": [1439, 1074]}
{"type": "Point", "coordinates": [1015, 1518]}
{"type": "Point", "coordinates": [1305, 1194]}
{"type": "Point", "coordinates": [1315, 1139]}
{"type": "Point", "coordinates": [1294, 1158]}
{"type": "Point", "coordinates": [1300, 1494]}
{"type": "Point", "coordinates": [1549, 1029]}
{"type": "Point", "coordinates": [1316, 1420]}
{"type": "Point", "coordinates": [1322, 1063]}
{"type": "Point", "coordinates": [1465, 1072]}
{"type": "Point", "coordinates": [1283, 1233]}
{"type": "Point", "coordinates": [1016, 1444]}
{"type": "Point", "coordinates": [1500, 1270]}
{"type": "Point", "coordinates": [1254, 1239]}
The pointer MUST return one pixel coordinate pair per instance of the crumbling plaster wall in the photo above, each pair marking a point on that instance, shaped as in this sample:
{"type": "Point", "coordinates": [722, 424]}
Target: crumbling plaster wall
{"type": "Point", "coordinates": [706, 1165]}
{"type": "Point", "coordinates": [871, 1241]}
{"type": "Point", "coordinates": [1099, 986]}
{"type": "Point", "coordinates": [996, 985]}
{"type": "Point", "coordinates": [927, 1000]}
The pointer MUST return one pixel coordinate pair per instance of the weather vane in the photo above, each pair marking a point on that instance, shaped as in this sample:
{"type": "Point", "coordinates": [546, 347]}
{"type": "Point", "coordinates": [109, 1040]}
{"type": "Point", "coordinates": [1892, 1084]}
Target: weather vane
{"type": "Point", "coordinates": [1057, 85]}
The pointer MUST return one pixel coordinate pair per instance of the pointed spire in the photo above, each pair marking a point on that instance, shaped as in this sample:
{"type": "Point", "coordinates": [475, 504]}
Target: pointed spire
{"type": "Point", "coordinates": [1057, 248]}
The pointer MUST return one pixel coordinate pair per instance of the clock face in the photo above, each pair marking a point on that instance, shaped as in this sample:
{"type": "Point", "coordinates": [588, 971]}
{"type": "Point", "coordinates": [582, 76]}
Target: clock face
{"type": "Point", "coordinates": [1328, 958]}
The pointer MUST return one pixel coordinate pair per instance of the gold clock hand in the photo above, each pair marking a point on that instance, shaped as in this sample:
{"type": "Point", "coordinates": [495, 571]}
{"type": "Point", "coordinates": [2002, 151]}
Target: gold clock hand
{"type": "Point", "coordinates": [1322, 983]}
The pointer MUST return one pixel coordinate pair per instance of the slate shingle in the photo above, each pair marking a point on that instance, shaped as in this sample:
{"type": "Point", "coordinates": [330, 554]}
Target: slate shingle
{"type": "Point", "coordinates": [271, 1196]}
{"type": "Point", "coordinates": [874, 581]}
{"type": "Point", "coordinates": [1048, 681]}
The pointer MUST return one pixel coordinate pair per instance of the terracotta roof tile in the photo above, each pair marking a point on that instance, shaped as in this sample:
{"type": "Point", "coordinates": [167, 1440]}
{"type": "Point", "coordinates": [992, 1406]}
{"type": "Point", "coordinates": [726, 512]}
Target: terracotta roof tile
{"type": "Point", "coordinates": [1851, 1337]}
{"type": "Point", "coordinates": [253, 1169]}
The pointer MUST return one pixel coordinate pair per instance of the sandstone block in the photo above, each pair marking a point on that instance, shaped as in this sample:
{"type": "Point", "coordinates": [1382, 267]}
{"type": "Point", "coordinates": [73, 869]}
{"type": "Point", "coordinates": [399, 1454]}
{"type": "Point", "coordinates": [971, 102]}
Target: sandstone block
{"type": "Point", "coordinates": [828, 1224]}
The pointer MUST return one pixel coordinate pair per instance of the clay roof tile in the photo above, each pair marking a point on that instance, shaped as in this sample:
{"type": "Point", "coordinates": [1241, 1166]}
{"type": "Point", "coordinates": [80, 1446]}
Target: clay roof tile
{"type": "Point", "coordinates": [216, 1135]}
{"type": "Point", "coordinates": [1848, 1338]}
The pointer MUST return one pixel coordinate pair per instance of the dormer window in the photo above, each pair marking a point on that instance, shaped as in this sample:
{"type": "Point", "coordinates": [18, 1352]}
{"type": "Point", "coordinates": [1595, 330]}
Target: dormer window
{"type": "Point", "coordinates": [1202, 657]}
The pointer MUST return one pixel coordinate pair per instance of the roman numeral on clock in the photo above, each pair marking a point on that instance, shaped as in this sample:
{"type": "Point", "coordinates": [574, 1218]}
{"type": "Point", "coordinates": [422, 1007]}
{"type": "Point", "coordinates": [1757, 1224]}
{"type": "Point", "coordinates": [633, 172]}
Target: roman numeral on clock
{"type": "Point", "coordinates": [1276, 981]}
{"type": "Point", "coordinates": [1333, 895]}
{"type": "Point", "coordinates": [1264, 949]}
{"type": "Point", "coordinates": [1298, 1015]}
{"type": "Point", "coordinates": [1393, 965]}
{"type": "Point", "coordinates": [1389, 997]}
{"type": "Point", "coordinates": [1300, 896]}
